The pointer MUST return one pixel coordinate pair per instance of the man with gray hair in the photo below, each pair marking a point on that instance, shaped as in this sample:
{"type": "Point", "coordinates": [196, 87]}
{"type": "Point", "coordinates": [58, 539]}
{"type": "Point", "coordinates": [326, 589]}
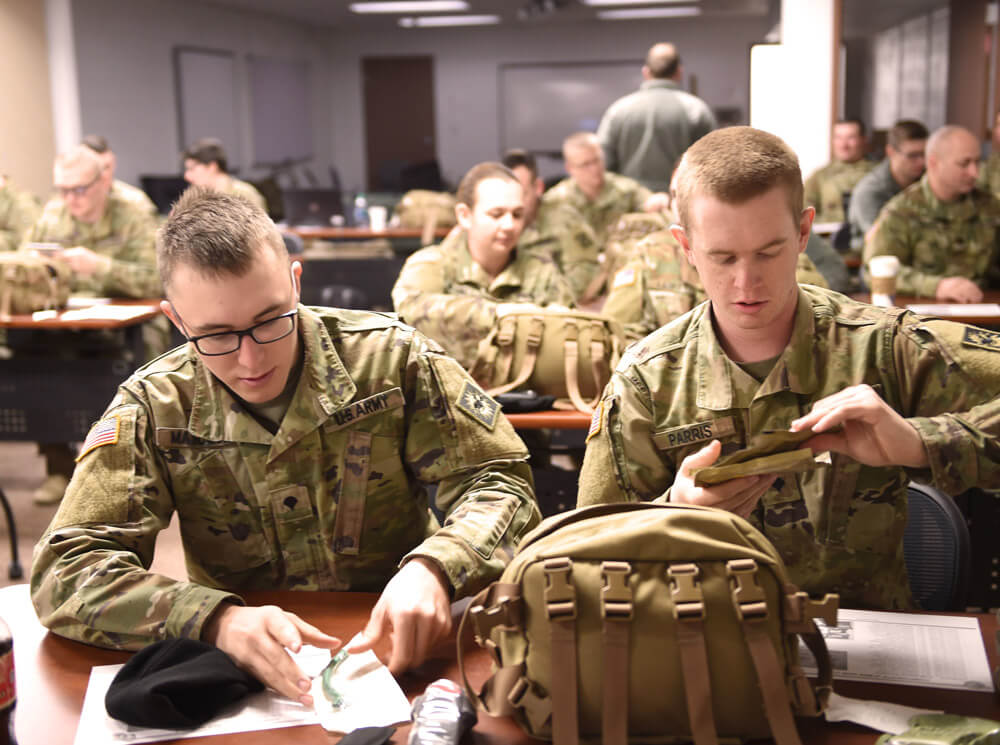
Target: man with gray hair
{"type": "Point", "coordinates": [943, 228]}
{"type": "Point", "coordinates": [99, 144]}
{"type": "Point", "coordinates": [645, 133]}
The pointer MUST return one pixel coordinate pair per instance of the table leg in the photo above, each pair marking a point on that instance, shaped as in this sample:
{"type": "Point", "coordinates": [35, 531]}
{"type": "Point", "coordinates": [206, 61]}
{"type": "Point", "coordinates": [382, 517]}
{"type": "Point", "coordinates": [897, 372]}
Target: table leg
{"type": "Point", "coordinates": [14, 571]}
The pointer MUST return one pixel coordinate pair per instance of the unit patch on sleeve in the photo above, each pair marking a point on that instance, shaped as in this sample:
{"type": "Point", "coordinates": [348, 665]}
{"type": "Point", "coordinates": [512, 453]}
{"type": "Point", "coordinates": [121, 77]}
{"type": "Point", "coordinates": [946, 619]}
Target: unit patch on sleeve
{"type": "Point", "coordinates": [105, 432]}
{"type": "Point", "coordinates": [474, 402]}
{"type": "Point", "coordinates": [982, 338]}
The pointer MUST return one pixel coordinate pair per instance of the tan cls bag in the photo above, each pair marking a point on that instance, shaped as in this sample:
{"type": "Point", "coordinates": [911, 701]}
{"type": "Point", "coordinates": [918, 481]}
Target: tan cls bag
{"type": "Point", "coordinates": [564, 353]}
{"type": "Point", "coordinates": [427, 210]}
{"type": "Point", "coordinates": [652, 623]}
{"type": "Point", "coordinates": [29, 282]}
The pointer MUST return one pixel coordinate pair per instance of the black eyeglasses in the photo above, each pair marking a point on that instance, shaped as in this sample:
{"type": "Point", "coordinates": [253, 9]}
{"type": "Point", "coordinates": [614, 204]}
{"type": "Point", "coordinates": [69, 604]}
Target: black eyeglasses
{"type": "Point", "coordinates": [78, 191]}
{"type": "Point", "coordinates": [227, 342]}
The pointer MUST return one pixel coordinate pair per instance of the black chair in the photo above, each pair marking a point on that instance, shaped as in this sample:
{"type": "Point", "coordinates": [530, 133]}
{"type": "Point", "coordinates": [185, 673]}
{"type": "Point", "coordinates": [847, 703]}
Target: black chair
{"type": "Point", "coordinates": [344, 296]}
{"type": "Point", "coordinates": [937, 550]}
{"type": "Point", "coordinates": [841, 240]}
{"type": "Point", "coordinates": [293, 244]}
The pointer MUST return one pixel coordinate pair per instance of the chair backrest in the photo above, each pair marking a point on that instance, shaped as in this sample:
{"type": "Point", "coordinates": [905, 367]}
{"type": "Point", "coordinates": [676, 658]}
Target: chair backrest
{"type": "Point", "coordinates": [936, 546]}
{"type": "Point", "coordinates": [344, 296]}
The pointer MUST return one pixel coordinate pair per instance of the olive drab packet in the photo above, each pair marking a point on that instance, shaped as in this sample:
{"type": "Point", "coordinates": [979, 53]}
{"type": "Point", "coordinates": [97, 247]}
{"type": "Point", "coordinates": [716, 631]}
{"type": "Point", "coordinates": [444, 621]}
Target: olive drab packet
{"type": "Point", "coordinates": [29, 282]}
{"type": "Point", "coordinates": [557, 352]}
{"type": "Point", "coordinates": [771, 451]}
{"type": "Point", "coordinates": [946, 729]}
{"type": "Point", "coordinates": [652, 623]}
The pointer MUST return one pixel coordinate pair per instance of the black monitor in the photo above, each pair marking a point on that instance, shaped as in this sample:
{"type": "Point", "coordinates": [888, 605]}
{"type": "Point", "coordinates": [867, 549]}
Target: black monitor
{"type": "Point", "coordinates": [163, 190]}
{"type": "Point", "coordinates": [311, 206]}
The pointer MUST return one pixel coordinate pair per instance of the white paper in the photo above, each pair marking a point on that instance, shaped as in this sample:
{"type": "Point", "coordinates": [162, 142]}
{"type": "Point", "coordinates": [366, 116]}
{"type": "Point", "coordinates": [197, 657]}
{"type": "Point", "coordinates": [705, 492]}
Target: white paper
{"type": "Point", "coordinates": [106, 312]}
{"type": "Point", "coordinates": [878, 715]}
{"type": "Point", "coordinates": [906, 649]}
{"type": "Point", "coordinates": [85, 301]}
{"type": "Point", "coordinates": [826, 228]}
{"type": "Point", "coordinates": [956, 309]}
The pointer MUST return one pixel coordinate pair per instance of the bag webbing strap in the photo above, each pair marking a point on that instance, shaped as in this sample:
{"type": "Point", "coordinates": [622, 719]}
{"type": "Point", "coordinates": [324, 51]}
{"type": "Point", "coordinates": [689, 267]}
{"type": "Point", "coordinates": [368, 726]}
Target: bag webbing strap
{"type": "Point", "coordinates": [689, 613]}
{"type": "Point", "coordinates": [533, 343]}
{"type": "Point", "coordinates": [752, 610]}
{"type": "Point", "coordinates": [499, 605]}
{"type": "Point", "coordinates": [571, 361]}
{"type": "Point", "coordinates": [560, 606]}
{"type": "Point", "coordinates": [617, 612]}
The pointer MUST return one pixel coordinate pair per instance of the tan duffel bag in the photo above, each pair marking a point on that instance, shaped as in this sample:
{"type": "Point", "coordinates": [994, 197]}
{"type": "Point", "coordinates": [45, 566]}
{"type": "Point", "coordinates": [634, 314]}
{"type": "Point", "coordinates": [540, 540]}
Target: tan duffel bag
{"type": "Point", "coordinates": [29, 282]}
{"type": "Point", "coordinates": [426, 210]}
{"type": "Point", "coordinates": [564, 353]}
{"type": "Point", "coordinates": [649, 623]}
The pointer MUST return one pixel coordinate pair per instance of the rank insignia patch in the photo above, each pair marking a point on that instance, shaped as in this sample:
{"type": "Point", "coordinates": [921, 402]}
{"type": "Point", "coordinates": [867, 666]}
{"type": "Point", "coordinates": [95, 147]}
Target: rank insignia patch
{"type": "Point", "coordinates": [104, 432]}
{"type": "Point", "coordinates": [474, 402]}
{"type": "Point", "coordinates": [976, 337]}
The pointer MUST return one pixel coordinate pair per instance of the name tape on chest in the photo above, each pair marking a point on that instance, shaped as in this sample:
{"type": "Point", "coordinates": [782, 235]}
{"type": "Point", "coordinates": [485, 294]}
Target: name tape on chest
{"type": "Point", "coordinates": [474, 402]}
{"type": "Point", "coordinates": [366, 407]}
{"type": "Point", "coordinates": [981, 338]}
{"type": "Point", "coordinates": [691, 433]}
{"type": "Point", "coordinates": [105, 432]}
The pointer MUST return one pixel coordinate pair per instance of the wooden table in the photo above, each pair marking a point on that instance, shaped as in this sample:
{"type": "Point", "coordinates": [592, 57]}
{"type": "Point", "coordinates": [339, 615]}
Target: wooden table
{"type": "Point", "coordinates": [989, 296]}
{"type": "Point", "coordinates": [551, 419]}
{"type": "Point", "coordinates": [52, 675]}
{"type": "Point", "coordinates": [361, 233]}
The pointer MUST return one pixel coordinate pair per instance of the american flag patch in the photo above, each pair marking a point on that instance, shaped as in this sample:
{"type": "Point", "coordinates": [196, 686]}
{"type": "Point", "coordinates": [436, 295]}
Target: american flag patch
{"type": "Point", "coordinates": [105, 432]}
{"type": "Point", "coordinates": [595, 421]}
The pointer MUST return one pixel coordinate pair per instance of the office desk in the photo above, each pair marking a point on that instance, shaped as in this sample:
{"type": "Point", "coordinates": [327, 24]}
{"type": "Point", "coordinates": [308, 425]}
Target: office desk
{"type": "Point", "coordinates": [52, 675]}
{"type": "Point", "coordinates": [989, 296]}
{"type": "Point", "coordinates": [362, 233]}
{"type": "Point", "coordinates": [551, 419]}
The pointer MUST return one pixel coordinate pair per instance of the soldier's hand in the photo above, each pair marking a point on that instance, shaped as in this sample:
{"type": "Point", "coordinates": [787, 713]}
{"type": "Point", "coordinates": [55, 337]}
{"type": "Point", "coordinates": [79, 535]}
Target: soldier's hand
{"type": "Point", "coordinates": [82, 260]}
{"type": "Point", "coordinates": [257, 637]}
{"type": "Point", "coordinates": [413, 612]}
{"type": "Point", "coordinates": [739, 496]}
{"type": "Point", "coordinates": [958, 290]}
{"type": "Point", "coordinates": [657, 202]}
{"type": "Point", "coordinates": [871, 432]}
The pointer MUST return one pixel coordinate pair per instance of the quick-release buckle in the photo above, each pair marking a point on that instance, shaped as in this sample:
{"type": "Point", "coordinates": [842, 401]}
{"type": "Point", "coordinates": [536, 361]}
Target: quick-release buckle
{"type": "Point", "coordinates": [504, 613]}
{"type": "Point", "coordinates": [748, 595]}
{"type": "Point", "coordinates": [685, 589]}
{"type": "Point", "coordinates": [560, 595]}
{"type": "Point", "coordinates": [616, 595]}
{"type": "Point", "coordinates": [535, 331]}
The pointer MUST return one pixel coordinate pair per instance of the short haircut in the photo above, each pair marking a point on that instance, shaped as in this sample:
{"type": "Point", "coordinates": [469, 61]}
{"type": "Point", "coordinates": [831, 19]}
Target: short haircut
{"type": "Point", "coordinates": [517, 158]}
{"type": "Point", "coordinates": [581, 140]}
{"type": "Point", "coordinates": [906, 130]}
{"type": "Point", "coordinates": [79, 156]}
{"type": "Point", "coordinates": [736, 164]}
{"type": "Point", "coordinates": [662, 60]}
{"type": "Point", "coordinates": [214, 233]}
{"type": "Point", "coordinates": [941, 138]}
{"type": "Point", "coordinates": [97, 143]}
{"type": "Point", "coordinates": [853, 120]}
{"type": "Point", "coordinates": [466, 192]}
{"type": "Point", "coordinates": [208, 150]}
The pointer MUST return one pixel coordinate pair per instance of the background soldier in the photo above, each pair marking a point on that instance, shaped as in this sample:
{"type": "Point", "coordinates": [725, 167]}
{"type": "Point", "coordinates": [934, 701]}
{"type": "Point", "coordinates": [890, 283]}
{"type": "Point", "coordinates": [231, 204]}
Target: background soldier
{"type": "Point", "coordinates": [827, 187]}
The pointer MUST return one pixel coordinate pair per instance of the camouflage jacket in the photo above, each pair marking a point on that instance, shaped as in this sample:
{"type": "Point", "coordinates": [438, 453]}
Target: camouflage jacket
{"type": "Point", "coordinates": [443, 292]}
{"type": "Point", "coordinates": [135, 195]}
{"type": "Point", "coordinates": [18, 212]}
{"type": "Point", "coordinates": [335, 500]}
{"type": "Point", "coordinates": [658, 284]}
{"type": "Point", "coordinates": [247, 191]}
{"type": "Point", "coordinates": [934, 239]}
{"type": "Point", "coordinates": [825, 188]}
{"type": "Point", "coordinates": [840, 527]}
{"type": "Point", "coordinates": [989, 174]}
{"type": "Point", "coordinates": [619, 195]}
{"type": "Point", "coordinates": [577, 248]}
{"type": "Point", "coordinates": [125, 233]}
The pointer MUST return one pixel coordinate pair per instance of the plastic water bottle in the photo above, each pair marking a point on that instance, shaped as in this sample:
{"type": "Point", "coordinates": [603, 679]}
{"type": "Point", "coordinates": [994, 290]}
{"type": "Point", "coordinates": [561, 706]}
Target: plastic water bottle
{"type": "Point", "coordinates": [360, 210]}
{"type": "Point", "coordinates": [441, 715]}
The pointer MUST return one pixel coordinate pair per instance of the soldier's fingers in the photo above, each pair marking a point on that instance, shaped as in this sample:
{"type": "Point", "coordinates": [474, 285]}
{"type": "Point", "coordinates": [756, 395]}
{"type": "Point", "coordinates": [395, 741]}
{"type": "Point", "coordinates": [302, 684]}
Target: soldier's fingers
{"type": "Point", "coordinates": [404, 644]}
{"type": "Point", "coordinates": [313, 635]}
{"type": "Point", "coordinates": [751, 489]}
{"type": "Point", "coordinates": [702, 458]}
{"type": "Point", "coordinates": [374, 631]}
{"type": "Point", "coordinates": [280, 626]}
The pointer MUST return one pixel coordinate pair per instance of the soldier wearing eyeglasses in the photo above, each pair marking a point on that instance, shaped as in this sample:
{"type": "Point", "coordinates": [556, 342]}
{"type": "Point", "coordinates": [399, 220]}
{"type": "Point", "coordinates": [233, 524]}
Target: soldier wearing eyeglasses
{"type": "Point", "coordinates": [108, 242]}
{"type": "Point", "coordinates": [295, 444]}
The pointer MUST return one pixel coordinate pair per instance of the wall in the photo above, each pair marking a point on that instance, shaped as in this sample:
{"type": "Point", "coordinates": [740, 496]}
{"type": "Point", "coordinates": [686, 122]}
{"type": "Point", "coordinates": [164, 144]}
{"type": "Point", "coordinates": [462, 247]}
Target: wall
{"type": "Point", "coordinates": [466, 63]}
{"type": "Point", "coordinates": [26, 138]}
{"type": "Point", "coordinates": [126, 73]}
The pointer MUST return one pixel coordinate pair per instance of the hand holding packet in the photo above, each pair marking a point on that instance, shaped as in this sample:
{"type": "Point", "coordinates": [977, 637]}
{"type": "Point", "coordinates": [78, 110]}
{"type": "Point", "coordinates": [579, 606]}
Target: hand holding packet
{"type": "Point", "coordinates": [771, 451]}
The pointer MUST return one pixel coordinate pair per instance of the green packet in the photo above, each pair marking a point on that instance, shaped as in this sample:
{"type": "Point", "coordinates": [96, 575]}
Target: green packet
{"type": "Point", "coordinates": [946, 729]}
{"type": "Point", "coordinates": [770, 451]}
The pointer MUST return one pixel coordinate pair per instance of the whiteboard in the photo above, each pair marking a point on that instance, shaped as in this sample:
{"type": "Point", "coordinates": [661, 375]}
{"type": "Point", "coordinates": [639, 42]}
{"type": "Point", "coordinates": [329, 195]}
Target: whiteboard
{"type": "Point", "coordinates": [279, 110]}
{"type": "Point", "coordinates": [541, 104]}
{"type": "Point", "coordinates": [205, 80]}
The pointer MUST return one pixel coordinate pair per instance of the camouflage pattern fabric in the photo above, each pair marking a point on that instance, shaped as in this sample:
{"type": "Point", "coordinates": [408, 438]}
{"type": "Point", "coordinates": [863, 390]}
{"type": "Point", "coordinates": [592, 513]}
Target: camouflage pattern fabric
{"type": "Point", "coordinates": [418, 207]}
{"type": "Point", "coordinates": [125, 234]}
{"type": "Point", "coordinates": [247, 191]}
{"type": "Point", "coordinates": [135, 195]}
{"type": "Point", "coordinates": [989, 175]}
{"type": "Point", "coordinates": [825, 188]}
{"type": "Point", "coordinates": [934, 239]}
{"type": "Point", "coordinates": [658, 284]}
{"type": "Point", "coordinates": [444, 293]}
{"type": "Point", "coordinates": [839, 528]}
{"type": "Point", "coordinates": [619, 195]}
{"type": "Point", "coordinates": [577, 250]}
{"type": "Point", "coordinates": [335, 500]}
{"type": "Point", "coordinates": [18, 212]}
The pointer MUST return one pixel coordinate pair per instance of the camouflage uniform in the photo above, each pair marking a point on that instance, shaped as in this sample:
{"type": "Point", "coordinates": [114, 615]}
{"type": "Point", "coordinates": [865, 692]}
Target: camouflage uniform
{"type": "Point", "coordinates": [443, 292]}
{"type": "Point", "coordinates": [18, 212]}
{"type": "Point", "coordinates": [247, 191]}
{"type": "Point", "coordinates": [934, 239]}
{"type": "Point", "coordinates": [333, 501]}
{"type": "Point", "coordinates": [577, 248]}
{"type": "Point", "coordinates": [989, 174]}
{"type": "Point", "coordinates": [125, 234]}
{"type": "Point", "coordinates": [135, 195]}
{"type": "Point", "coordinates": [825, 188]}
{"type": "Point", "coordinates": [659, 284]}
{"type": "Point", "coordinates": [839, 528]}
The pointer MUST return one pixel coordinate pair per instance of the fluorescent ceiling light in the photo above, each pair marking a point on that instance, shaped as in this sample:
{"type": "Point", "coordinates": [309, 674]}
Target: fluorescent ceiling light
{"type": "Point", "coordinates": [636, 13]}
{"type": "Point", "coordinates": [425, 21]}
{"type": "Point", "coordinates": [410, 6]}
{"type": "Point", "coordinates": [632, 2]}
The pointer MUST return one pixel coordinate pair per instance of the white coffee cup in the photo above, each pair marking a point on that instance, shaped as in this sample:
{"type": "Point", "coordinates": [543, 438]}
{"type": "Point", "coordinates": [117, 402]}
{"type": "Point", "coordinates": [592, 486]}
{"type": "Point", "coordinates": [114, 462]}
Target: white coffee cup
{"type": "Point", "coordinates": [377, 215]}
{"type": "Point", "coordinates": [883, 271]}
